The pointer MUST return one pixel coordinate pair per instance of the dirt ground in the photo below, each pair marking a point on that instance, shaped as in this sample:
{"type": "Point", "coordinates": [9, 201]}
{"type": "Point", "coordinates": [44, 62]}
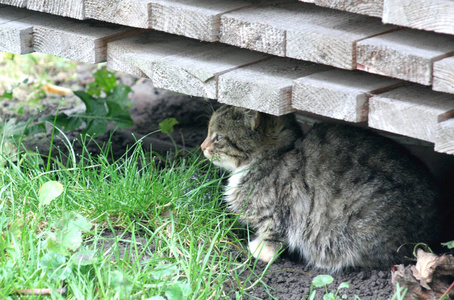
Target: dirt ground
{"type": "Point", "coordinates": [287, 277]}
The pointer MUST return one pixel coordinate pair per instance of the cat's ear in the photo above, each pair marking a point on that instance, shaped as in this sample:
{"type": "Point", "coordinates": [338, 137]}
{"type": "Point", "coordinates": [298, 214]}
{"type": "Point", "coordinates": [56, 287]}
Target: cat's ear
{"type": "Point", "coordinates": [252, 118]}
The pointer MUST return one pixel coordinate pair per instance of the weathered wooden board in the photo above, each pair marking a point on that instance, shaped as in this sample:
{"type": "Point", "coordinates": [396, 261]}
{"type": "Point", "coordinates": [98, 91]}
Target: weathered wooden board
{"type": "Point", "coordinates": [196, 72]}
{"type": "Point", "coordinates": [134, 13]}
{"type": "Point", "coordinates": [373, 8]}
{"type": "Point", "coordinates": [302, 31]}
{"type": "Point", "coordinates": [18, 3]}
{"type": "Point", "coordinates": [405, 54]}
{"type": "Point", "coordinates": [135, 55]}
{"type": "Point", "coordinates": [412, 110]}
{"type": "Point", "coordinates": [434, 15]}
{"type": "Point", "coordinates": [443, 75]}
{"type": "Point", "coordinates": [265, 86]}
{"type": "Point", "coordinates": [81, 41]}
{"type": "Point", "coordinates": [16, 36]}
{"type": "Point", "coordinates": [66, 8]}
{"type": "Point", "coordinates": [331, 38]}
{"type": "Point", "coordinates": [198, 19]}
{"type": "Point", "coordinates": [261, 28]}
{"type": "Point", "coordinates": [339, 94]}
{"type": "Point", "coordinates": [444, 138]}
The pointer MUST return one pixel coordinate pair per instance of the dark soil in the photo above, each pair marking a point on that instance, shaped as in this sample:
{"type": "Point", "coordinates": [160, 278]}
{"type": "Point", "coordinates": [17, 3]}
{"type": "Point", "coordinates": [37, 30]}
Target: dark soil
{"type": "Point", "coordinates": [290, 279]}
{"type": "Point", "coordinates": [286, 278]}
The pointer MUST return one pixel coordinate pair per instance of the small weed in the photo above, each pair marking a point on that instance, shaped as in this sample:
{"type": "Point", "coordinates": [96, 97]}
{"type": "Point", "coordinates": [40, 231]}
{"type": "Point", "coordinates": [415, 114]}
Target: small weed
{"type": "Point", "coordinates": [167, 127]}
{"type": "Point", "coordinates": [449, 244]}
{"type": "Point", "coordinates": [322, 281]}
{"type": "Point", "coordinates": [105, 101]}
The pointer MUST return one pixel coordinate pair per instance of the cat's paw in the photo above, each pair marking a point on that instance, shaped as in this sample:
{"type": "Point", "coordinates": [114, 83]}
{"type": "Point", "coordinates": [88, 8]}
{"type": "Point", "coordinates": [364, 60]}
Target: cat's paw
{"type": "Point", "coordinates": [262, 250]}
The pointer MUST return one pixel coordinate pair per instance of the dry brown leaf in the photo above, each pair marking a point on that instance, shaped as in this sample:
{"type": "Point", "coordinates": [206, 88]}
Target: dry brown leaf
{"type": "Point", "coordinates": [404, 276]}
{"type": "Point", "coordinates": [425, 266]}
{"type": "Point", "coordinates": [431, 278]}
{"type": "Point", "coordinates": [54, 89]}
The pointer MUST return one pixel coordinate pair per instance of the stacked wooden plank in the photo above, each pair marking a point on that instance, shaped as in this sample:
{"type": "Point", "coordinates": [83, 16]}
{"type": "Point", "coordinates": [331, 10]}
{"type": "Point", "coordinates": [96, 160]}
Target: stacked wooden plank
{"type": "Point", "coordinates": [331, 58]}
{"type": "Point", "coordinates": [23, 31]}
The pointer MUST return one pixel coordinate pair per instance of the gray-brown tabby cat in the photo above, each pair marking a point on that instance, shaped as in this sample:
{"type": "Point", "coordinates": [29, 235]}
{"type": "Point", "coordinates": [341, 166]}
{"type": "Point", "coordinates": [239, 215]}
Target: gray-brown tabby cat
{"type": "Point", "coordinates": [340, 196]}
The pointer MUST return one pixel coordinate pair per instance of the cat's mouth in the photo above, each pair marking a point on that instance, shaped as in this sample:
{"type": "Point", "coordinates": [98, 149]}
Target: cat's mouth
{"type": "Point", "coordinates": [212, 157]}
{"type": "Point", "coordinates": [223, 161]}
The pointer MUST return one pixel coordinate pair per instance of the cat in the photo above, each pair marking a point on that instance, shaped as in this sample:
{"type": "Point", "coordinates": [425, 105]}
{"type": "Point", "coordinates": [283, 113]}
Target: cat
{"type": "Point", "coordinates": [340, 196]}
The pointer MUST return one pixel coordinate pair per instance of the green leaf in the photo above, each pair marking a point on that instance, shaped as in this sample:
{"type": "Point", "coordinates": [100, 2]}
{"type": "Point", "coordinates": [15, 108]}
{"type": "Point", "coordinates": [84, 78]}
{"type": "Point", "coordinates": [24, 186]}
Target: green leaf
{"type": "Point", "coordinates": [67, 233]}
{"type": "Point", "coordinates": [119, 115]}
{"type": "Point", "coordinates": [185, 288]}
{"type": "Point", "coordinates": [329, 296]}
{"type": "Point", "coordinates": [120, 94]}
{"type": "Point", "coordinates": [83, 258]}
{"type": "Point", "coordinates": [105, 80]}
{"type": "Point", "coordinates": [65, 122]}
{"type": "Point", "coordinates": [167, 125]}
{"type": "Point", "coordinates": [95, 127]}
{"type": "Point", "coordinates": [322, 280]}
{"type": "Point", "coordinates": [94, 106]}
{"type": "Point", "coordinates": [120, 282]}
{"type": "Point", "coordinates": [54, 266]}
{"type": "Point", "coordinates": [95, 116]}
{"type": "Point", "coordinates": [7, 94]}
{"type": "Point", "coordinates": [343, 285]}
{"type": "Point", "coordinates": [53, 245]}
{"type": "Point", "coordinates": [162, 271]}
{"type": "Point", "coordinates": [52, 260]}
{"type": "Point", "coordinates": [174, 292]}
{"type": "Point", "coordinates": [450, 244]}
{"type": "Point", "coordinates": [33, 129]}
{"type": "Point", "coordinates": [49, 191]}
{"type": "Point", "coordinates": [20, 111]}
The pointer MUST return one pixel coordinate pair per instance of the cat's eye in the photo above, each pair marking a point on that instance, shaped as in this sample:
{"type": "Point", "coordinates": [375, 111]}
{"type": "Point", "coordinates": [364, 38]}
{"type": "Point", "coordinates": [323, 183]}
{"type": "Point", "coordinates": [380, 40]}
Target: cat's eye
{"type": "Point", "coordinates": [217, 138]}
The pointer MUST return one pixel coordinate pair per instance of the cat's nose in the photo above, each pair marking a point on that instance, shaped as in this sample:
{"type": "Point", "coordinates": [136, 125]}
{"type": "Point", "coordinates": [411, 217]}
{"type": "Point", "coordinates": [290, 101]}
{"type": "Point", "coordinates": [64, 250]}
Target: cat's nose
{"type": "Point", "coordinates": [205, 144]}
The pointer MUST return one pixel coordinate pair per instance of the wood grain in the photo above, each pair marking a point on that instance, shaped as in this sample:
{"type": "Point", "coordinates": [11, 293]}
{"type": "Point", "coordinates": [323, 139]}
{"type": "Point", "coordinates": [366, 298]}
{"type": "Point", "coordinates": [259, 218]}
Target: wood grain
{"type": "Point", "coordinates": [135, 55]}
{"type": "Point", "coordinates": [199, 19]}
{"type": "Point", "coordinates": [405, 54]}
{"type": "Point", "coordinates": [18, 3]}
{"type": "Point", "coordinates": [372, 8]}
{"type": "Point", "coordinates": [434, 15]}
{"type": "Point", "coordinates": [196, 71]}
{"type": "Point", "coordinates": [339, 94]}
{"type": "Point", "coordinates": [412, 110]}
{"type": "Point", "coordinates": [16, 33]}
{"type": "Point", "coordinates": [66, 8]}
{"type": "Point", "coordinates": [443, 75]}
{"type": "Point", "coordinates": [331, 37]}
{"type": "Point", "coordinates": [444, 138]}
{"type": "Point", "coordinates": [302, 31]}
{"type": "Point", "coordinates": [261, 28]}
{"type": "Point", "coordinates": [73, 39]}
{"type": "Point", "coordinates": [265, 86]}
{"type": "Point", "coordinates": [134, 13]}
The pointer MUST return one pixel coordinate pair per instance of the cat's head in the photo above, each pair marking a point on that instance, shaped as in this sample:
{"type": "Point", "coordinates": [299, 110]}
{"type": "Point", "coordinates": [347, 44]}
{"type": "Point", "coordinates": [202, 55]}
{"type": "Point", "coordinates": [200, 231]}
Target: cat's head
{"type": "Point", "coordinates": [237, 135]}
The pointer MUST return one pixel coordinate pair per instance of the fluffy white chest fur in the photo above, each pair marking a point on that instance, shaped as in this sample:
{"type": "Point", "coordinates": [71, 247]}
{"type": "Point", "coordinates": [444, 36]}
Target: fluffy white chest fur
{"type": "Point", "coordinates": [232, 196]}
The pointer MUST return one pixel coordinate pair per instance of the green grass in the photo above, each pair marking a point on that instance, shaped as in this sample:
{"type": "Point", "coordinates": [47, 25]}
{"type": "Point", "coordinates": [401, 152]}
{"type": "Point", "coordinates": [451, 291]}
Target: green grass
{"type": "Point", "coordinates": [134, 228]}
{"type": "Point", "coordinates": [129, 229]}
